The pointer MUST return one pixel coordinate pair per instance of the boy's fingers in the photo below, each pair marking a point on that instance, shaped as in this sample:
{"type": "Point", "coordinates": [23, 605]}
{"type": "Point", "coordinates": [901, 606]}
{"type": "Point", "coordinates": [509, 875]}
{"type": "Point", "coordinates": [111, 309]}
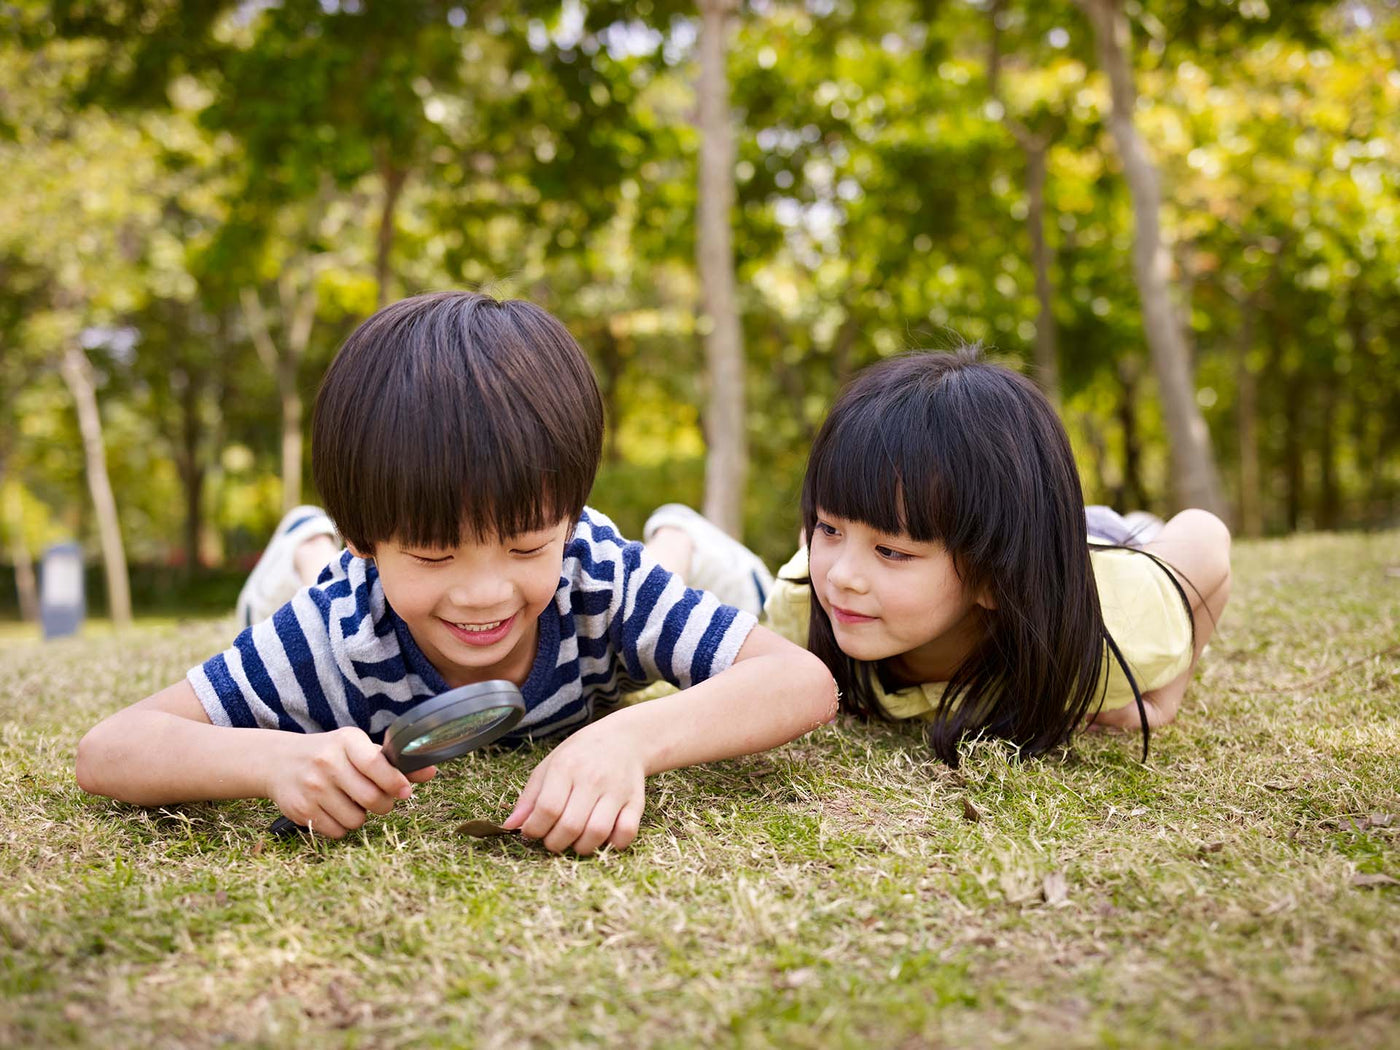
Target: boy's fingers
{"type": "Point", "coordinates": [571, 822]}
{"type": "Point", "coordinates": [420, 775]}
{"type": "Point", "coordinates": [598, 827]}
{"type": "Point", "coordinates": [343, 810]}
{"type": "Point", "coordinates": [525, 804]}
{"type": "Point", "coordinates": [369, 759]}
{"type": "Point", "coordinates": [549, 805]}
{"type": "Point", "coordinates": [628, 821]}
{"type": "Point", "coordinates": [325, 825]}
{"type": "Point", "coordinates": [364, 792]}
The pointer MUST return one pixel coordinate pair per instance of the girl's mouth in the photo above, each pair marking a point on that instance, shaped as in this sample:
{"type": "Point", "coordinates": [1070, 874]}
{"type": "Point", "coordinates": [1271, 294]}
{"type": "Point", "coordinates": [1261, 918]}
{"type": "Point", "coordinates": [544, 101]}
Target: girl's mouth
{"type": "Point", "coordinates": [481, 634]}
{"type": "Point", "coordinates": [849, 617]}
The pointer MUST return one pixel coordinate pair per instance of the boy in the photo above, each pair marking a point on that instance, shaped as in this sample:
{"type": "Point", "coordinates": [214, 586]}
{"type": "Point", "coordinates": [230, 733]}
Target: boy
{"type": "Point", "coordinates": [455, 439]}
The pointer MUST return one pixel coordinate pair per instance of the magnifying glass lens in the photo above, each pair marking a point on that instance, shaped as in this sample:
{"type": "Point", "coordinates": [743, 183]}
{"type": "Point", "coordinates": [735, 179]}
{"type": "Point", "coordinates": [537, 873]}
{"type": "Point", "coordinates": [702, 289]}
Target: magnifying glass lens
{"type": "Point", "coordinates": [459, 729]}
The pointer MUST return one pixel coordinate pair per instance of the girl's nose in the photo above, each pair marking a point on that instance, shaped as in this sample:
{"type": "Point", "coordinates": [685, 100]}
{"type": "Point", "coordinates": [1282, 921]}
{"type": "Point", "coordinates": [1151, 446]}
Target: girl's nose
{"type": "Point", "coordinates": [846, 575]}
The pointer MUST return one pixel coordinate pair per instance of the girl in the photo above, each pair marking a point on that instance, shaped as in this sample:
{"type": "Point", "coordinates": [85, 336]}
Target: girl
{"type": "Point", "coordinates": [949, 575]}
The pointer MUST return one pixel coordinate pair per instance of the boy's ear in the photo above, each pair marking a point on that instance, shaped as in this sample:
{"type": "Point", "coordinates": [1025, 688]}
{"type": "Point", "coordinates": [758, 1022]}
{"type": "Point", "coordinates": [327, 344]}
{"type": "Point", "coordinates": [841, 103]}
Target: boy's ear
{"type": "Point", "coordinates": [357, 552]}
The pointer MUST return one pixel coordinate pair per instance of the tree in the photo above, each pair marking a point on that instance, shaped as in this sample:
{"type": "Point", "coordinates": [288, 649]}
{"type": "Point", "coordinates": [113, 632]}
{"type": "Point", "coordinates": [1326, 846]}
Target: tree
{"type": "Point", "coordinates": [1195, 479]}
{"type": "Point", "coordinates": [726, 470]}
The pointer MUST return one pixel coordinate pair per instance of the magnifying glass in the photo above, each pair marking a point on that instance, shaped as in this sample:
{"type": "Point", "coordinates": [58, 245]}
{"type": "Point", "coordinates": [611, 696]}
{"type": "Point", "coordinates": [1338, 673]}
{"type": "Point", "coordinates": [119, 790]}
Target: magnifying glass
{"type": "Point", "coordinates": [443, 727]}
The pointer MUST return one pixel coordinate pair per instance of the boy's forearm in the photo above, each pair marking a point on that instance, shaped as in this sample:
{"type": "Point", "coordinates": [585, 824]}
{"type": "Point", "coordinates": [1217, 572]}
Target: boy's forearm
{"type": "Point", "coordinates": [151, 758]}
{"type": "Point", "coordinates": [758, 703]}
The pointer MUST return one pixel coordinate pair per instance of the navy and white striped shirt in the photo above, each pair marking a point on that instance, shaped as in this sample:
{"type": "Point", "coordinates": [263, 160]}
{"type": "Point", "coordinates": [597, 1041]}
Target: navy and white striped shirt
{"type": "Point", "coordinates": [337, 654]}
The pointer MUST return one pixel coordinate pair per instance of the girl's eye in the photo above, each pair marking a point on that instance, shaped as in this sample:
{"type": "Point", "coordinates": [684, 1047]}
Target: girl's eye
{"type": "Point", "coordinates": [890, 554]}
{"type": "Point", "coordinates": [825, 529]}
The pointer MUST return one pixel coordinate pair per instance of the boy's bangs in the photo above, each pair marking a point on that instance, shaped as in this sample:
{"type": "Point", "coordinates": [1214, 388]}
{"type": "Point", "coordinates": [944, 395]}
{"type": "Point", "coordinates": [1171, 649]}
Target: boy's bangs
{"type": "Point", "coordinates": [451, 418]}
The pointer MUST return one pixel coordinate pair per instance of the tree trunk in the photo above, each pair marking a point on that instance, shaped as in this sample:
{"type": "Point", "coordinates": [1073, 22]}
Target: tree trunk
{"type": "Point", "coordinates": [25, 584]}
{"type": "Point", "coordinates": [1328, 498]}
{"type": "Point", "coordinates": [1047, 356]}
{"type": "Point", "coordinates": [1132, 493]}
{"type": "Point", "coordinates": [284, 363]}
{"type": "Point", "coordinates": [1251, 520]}
{"type": "Point", "coordinates": [726, 464]}
{"type": "Point", "coordinates": [1194, 475]}
{"type": "Point", "coordinates": [393, 178]}
{"type": "Point", "coordinates": [77, 374]}
{"type": "Point", "coordinates": [1035, 148]}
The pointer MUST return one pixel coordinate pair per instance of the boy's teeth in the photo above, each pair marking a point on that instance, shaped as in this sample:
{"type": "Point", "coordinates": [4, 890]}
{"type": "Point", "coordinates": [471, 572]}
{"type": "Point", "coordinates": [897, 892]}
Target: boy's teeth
{"type": "Point", "coordinates": [479, 626]}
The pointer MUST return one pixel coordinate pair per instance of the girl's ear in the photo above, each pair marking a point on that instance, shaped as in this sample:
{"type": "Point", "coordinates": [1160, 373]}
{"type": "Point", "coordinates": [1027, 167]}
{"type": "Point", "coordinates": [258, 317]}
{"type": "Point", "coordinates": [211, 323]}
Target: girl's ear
{"type": "Point", "coordinates": [985, 600]}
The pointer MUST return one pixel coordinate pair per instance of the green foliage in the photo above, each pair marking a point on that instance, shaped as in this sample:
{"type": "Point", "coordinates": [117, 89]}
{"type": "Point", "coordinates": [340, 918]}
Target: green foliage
{"type": "Point", "coordinates": [160, 159]}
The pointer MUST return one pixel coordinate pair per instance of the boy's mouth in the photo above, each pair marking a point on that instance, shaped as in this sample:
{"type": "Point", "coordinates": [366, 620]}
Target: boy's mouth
{"type": "Point", "coordinates": [486, 633]}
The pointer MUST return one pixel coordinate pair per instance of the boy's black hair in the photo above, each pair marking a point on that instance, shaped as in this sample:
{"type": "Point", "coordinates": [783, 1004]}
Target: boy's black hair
{"type": "Point", "coordinates": [454, 416]}
{"type": "Point", "coordinates": [947, 447]}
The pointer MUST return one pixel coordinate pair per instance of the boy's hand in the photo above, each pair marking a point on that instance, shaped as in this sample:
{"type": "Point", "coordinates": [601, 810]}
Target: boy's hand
{"type": "Point", "coordinates": [588, 791]}
{"type": "Point", "coordinates": [330, 782]}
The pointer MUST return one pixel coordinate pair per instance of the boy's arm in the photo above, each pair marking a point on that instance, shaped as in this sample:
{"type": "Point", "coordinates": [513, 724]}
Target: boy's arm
{"type": "Point", "coordinates": [591, 788]}
{"type": "Point", "coordinates": [164, 749]}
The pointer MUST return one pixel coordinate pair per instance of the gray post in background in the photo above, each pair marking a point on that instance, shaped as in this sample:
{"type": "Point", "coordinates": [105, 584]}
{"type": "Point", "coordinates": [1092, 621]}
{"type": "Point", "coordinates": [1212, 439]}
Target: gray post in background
{"type": "Point", "coordinates": [61, 603]}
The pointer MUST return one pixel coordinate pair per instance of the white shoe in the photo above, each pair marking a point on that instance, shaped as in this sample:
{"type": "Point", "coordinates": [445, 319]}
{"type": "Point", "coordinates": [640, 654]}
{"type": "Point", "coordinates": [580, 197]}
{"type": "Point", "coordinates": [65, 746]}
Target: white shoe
{"type": "Point", "coordinates": [274, 578]}
{"type": "Point", "coordinates": [719, 563]}
{"type": "Point", "coordinates": [1135, 529]}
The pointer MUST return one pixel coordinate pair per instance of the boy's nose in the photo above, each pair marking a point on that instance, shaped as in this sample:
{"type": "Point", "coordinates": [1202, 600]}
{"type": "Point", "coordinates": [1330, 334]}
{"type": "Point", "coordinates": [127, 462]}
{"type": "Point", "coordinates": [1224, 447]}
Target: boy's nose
{"type": "Point", "coordinates": [482, 594]}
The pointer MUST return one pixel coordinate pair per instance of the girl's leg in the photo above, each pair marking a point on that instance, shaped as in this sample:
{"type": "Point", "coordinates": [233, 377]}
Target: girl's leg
{"type": "Point", "coordinates": [301, 545]}
{"type": "Point", "coordinates": [706, 557]}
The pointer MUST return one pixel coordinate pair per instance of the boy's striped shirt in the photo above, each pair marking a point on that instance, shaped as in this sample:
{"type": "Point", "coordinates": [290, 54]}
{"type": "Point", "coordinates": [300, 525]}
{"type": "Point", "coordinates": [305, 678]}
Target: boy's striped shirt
{"type": "Point", "coordinates": [337, 654]}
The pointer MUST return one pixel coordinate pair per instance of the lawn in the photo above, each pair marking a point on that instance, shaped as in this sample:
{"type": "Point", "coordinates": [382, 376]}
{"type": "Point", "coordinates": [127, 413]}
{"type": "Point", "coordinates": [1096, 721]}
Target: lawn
{"type": "Point", "coordinates": [1240, 888]}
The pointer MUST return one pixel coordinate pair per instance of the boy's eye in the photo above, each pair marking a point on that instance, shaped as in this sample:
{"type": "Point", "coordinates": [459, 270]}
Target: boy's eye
{"type": "Point", "coordinates": [530, 550]}
{"type": "Point", "coordinates": [430, 559]}
{"type": "Point", "coordinates": [826, 529]}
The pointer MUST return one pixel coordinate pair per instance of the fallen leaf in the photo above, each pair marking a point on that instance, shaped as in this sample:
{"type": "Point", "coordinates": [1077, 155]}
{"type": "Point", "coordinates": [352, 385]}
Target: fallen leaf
{"type": "Point", "coordinates": [971, 813]}
{"type": "Point", "coordinates": [221, 898]}
{"type": "Point", "coordinates": [1055, 888]}
{"type": "Point", "coordinates": [1374, 880]}
{"type": "Point", "coordinates": [1212, 847]}
{"type": "Point", "coordinates": [482, 829]}
{"type": "Point", "coordinates": [1380, 820]}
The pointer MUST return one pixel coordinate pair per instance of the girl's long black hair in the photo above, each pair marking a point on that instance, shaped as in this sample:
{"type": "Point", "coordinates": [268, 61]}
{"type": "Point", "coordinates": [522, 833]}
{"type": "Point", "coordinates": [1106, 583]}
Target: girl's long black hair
{"type": "Point", "coordinates": [950, 448]}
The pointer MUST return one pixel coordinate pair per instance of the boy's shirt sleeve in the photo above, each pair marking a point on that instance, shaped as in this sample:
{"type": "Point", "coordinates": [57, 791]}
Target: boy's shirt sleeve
{"type": "Point", "coordinates": [660, 629]}
{"type": "Point", "coordinates": [276, 674]}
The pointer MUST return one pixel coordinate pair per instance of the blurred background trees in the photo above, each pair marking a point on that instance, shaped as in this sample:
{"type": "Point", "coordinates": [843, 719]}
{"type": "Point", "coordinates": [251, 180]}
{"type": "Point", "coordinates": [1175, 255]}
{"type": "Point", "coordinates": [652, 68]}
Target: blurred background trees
{"type": "Point", "coordinates": [1197, 255]}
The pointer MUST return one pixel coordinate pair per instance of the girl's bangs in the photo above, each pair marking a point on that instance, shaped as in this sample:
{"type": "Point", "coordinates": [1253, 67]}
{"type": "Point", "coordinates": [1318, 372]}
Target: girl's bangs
{"type": "Point", "coordinates": [873, 465]}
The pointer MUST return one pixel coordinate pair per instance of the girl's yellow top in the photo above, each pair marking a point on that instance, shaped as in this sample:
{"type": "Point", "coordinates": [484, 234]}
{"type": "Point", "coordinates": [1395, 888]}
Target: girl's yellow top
{"type": "Point", "coordinates": [1142, 610]}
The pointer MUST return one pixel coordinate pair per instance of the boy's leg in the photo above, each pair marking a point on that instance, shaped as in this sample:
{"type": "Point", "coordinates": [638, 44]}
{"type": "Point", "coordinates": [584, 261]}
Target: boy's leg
{"type": "Point", "coordinates": [301, 545]}
{"type": "Point", "coordinates": [1135, 529]}
{"type": "Point", "coordinates": [707, 557]}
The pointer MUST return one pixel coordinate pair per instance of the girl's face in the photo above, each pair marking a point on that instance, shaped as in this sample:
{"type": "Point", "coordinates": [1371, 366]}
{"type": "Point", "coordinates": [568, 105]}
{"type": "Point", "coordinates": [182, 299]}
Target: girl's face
{"type": "Point", "coordinates": [891, 597]}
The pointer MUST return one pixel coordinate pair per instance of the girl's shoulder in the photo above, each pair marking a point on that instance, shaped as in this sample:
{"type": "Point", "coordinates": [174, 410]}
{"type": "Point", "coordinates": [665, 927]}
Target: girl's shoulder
{"type": "Point", "coordinates": [788, 606]}
{"type": "Point", "coordinates": [1147, 617]}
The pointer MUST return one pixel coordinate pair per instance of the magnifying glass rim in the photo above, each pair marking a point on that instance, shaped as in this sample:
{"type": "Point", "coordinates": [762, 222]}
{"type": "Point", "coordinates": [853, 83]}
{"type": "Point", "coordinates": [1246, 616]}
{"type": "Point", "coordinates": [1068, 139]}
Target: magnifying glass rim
{"type": "Point", "coordinates": [438, 711]}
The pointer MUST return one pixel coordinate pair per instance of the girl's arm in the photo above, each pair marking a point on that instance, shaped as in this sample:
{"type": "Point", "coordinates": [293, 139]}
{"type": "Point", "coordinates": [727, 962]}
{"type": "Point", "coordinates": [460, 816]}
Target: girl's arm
{"type": "Point", "coordinates": [1196, 546]}
{"type": "Point", "coordinates": [591, 788]}
{"type": "Point", "coordinates": [164, 749]}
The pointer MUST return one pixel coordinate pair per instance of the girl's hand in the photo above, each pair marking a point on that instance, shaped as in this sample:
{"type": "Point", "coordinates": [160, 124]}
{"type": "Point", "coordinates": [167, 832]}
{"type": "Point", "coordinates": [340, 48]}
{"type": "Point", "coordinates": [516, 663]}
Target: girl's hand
{"type": "Point", "coordinates": [331, 782]}
{"type": "Point", "coordinates": [588, 791]}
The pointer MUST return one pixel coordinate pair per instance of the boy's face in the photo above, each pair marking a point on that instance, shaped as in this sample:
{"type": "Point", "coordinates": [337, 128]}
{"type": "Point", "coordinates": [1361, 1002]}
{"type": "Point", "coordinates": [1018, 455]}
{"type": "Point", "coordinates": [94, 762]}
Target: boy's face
{"type": "Point", "coordinates": [474, 609]}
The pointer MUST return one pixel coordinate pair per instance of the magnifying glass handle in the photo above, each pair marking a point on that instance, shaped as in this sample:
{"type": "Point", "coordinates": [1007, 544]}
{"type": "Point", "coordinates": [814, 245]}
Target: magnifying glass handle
{"type": "Point", "coordinates": [284, 826]}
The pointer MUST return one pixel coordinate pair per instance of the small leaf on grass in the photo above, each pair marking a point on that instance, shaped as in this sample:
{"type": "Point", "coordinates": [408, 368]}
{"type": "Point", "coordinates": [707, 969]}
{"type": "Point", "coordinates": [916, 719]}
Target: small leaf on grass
{"type": "Point", "coordinates": [1374, 880]}
{"type": "Point", "coordinates": [1055, 888]}
{"type": "Point", "coordinates": [1380, 820]}
{"type": "Point", "coordinates": [971, 813]}
{"type": "Point", "coordinates": [482, 829]}
{"type": "Point", "coordinates": [1211, 847]}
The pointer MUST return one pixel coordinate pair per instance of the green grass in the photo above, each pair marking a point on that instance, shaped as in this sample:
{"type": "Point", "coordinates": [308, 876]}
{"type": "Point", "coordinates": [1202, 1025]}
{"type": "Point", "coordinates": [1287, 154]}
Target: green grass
{"type": "Point", "coordinates": [832, 893]}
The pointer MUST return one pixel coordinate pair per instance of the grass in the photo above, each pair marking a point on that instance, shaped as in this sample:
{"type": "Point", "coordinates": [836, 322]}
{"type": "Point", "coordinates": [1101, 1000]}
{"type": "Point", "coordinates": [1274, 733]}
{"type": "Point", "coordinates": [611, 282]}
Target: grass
{"type": "Point", "coordinates": [841, 891]}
